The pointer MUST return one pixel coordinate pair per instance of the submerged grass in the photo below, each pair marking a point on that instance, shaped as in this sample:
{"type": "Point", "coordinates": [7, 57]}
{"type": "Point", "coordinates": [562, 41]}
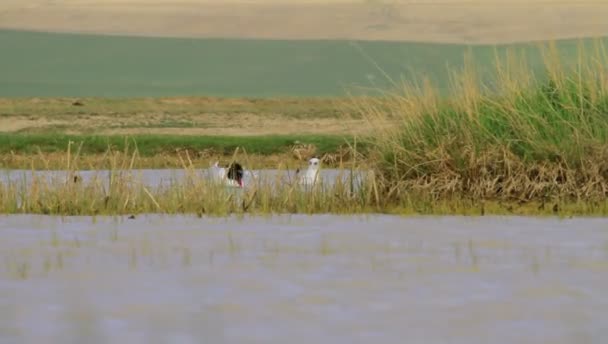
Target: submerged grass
{"type": "Point", "coordinates": [519, 138]}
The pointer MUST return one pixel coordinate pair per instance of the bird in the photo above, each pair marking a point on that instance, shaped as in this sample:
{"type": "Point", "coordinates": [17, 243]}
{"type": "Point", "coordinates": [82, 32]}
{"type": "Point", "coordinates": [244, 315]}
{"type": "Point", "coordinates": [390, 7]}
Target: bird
{"type": "Point", "coordinates": [232, 176]}
{"type": "Point", "coordinates": [311, 174]}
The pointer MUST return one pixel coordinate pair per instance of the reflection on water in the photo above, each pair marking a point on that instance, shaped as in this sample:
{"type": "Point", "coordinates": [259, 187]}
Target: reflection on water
{"type": "Point", "coordinates": [304, 279]}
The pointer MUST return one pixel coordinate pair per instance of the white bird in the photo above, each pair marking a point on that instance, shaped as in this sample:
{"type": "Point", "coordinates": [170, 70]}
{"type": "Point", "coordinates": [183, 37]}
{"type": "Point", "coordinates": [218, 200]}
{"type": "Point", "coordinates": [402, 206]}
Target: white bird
{"type": "Point", "coordinates": [312, 173]}
{"type": "Point", "coordinates": [232, 177]}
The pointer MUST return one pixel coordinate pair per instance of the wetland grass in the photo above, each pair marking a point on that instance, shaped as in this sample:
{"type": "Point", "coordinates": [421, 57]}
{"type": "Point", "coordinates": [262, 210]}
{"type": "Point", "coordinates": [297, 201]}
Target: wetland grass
{"type": "Point", "coordinates": [529, 141]}
{"type": "Point", "coordinates": [121, 190]}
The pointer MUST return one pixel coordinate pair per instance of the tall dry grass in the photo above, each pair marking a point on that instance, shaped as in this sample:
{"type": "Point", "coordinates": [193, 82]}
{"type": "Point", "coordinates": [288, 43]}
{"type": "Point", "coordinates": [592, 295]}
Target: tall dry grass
{"type": "Point", "coordinates": [517, 136]}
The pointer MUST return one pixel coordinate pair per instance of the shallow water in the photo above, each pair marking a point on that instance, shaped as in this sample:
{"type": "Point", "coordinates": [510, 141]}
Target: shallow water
{"type": "Point", "coordinates": [162, 177]}
{"type": "Point", "coordinates": [303, 279]}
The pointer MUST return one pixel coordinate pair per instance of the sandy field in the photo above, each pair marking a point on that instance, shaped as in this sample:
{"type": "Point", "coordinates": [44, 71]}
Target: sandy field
{"type": "Point", "coordinates": [453, 21]}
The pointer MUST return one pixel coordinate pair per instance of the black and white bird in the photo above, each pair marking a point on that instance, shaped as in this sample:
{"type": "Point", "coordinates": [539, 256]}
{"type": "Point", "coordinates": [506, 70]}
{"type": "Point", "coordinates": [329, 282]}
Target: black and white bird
{"type": "Point", "coordinates": [231, 176]}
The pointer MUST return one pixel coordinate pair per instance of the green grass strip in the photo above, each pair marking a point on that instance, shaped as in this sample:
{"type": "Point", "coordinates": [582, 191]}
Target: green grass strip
{"type": "Point", "coordinates": [149, 145]}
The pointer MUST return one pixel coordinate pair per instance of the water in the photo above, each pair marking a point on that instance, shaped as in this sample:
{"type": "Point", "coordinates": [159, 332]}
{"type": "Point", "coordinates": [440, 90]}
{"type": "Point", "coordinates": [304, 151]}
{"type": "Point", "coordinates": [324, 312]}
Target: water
{"type": "Point", "coordinates": [303, 279]}
{"type": "Point", "coordinates": [161, 177]}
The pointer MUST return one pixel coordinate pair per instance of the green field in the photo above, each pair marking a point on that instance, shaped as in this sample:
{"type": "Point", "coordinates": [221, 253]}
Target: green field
{"type": "Point", "coordinates": [150, 145]}
{"type": "Point", "coordinates": [49, 64]}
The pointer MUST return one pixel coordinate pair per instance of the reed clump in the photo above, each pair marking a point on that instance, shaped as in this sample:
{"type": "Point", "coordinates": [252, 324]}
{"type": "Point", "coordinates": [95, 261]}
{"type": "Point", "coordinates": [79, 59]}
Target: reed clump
{"type": "Point", "coordinates": [515, 137]}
